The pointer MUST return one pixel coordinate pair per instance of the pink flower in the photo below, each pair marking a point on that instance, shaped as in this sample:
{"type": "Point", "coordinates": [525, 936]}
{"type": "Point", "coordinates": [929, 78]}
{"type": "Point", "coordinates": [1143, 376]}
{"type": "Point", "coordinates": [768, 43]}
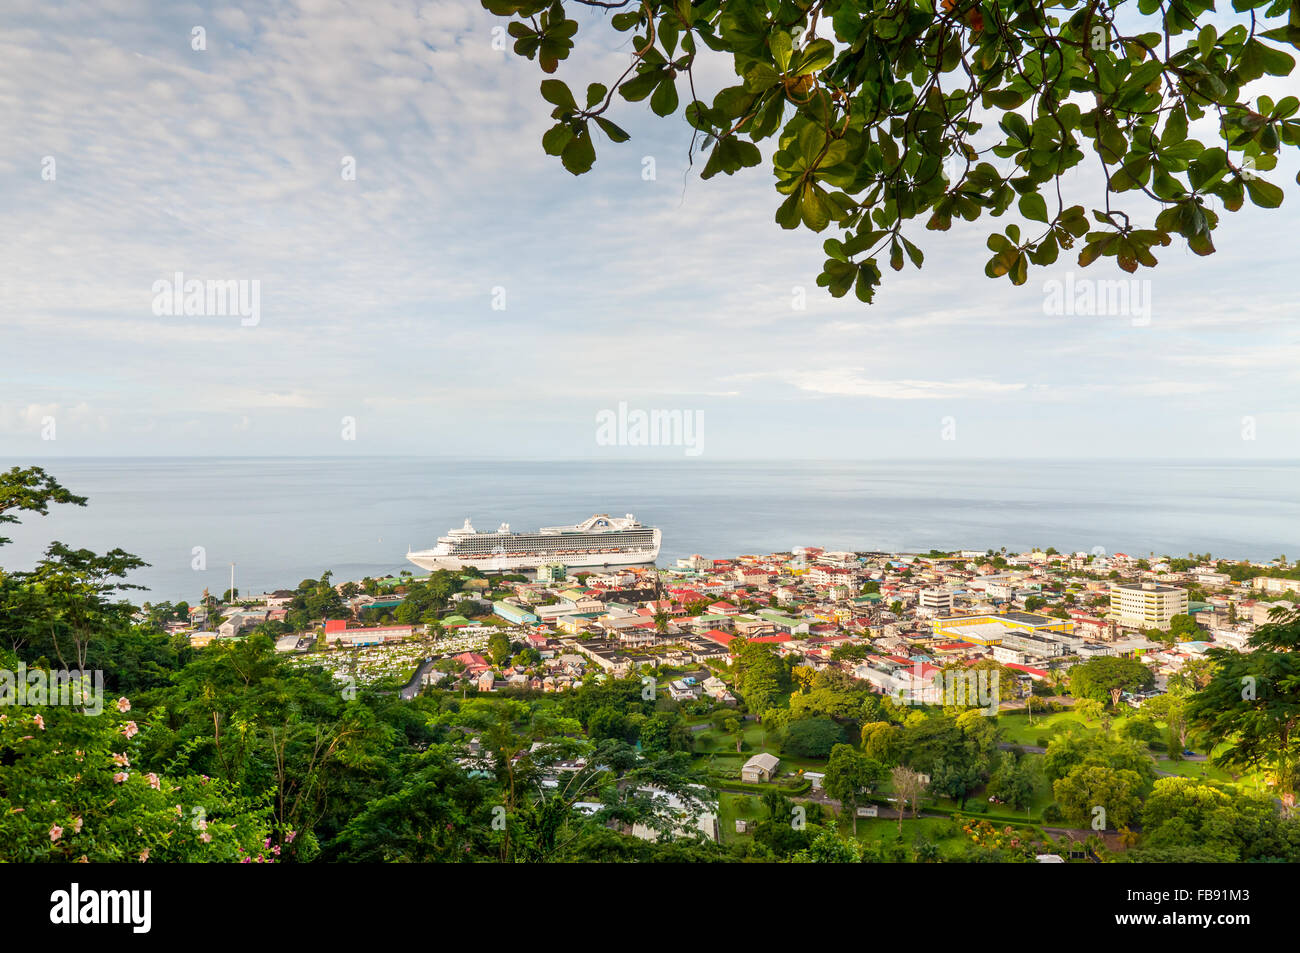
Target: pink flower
{"type": "Point", "coordinates": [120, 777]}
{"type": "Point", "coordinates": [40, 722]}
{"type": "Point", "coordinates": [205, 837]}
{"type": "Point", "coordinates": [123, 705]}
{"type": "Point", "coordinates": [76, 825]}
{"type": "Point", "coordinates": [288, 838]}
{"type": "Point", "coordinates": [55, 833]}
{"type": "Point", "coordinates": [144, 855]}
{"type": "Point", "coordinates": [153, 781]}
{"type": "Point", "coordinates": [266, 844]}
{"type": "Point", "coordinates": [130, 730]}
{"type": "Point", "coordinates": [121, 760]}
{"type": "Point", "coordinates": [179, 812]}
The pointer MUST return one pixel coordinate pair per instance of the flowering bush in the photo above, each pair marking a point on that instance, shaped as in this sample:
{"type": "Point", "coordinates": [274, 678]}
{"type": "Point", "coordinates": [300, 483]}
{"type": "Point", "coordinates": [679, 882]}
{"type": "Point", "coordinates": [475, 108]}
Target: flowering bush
{"type": "Point", "coordinates": [70, 790]}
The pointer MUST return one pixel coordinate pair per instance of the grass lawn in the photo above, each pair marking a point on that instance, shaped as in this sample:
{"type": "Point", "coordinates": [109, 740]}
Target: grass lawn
{"type": "Point", "coordinates": [884, 830]}
{"type": "Point", "coordinates": [733, 806]}
{"type": "Point", "coordinates": [723, 747]}
{"type": "Point", "coordinates": [1016, 728]}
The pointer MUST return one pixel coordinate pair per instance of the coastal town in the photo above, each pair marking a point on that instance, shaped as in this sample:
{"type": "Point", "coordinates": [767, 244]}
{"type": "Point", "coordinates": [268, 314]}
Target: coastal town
{"type": "Point", "coordinates": [848, 627]}
{"type": "Point", "coordinates": [872, 615]}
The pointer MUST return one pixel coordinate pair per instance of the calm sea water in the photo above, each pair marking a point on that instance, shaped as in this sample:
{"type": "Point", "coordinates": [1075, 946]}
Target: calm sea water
{"type": "Point", "coordinates": [285, 519]}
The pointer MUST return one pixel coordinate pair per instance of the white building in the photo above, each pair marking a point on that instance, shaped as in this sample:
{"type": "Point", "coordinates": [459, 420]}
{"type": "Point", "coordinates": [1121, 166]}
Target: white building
{"type": "Point", "coordinates": [938, 601]}
{"type": "Point", "coordinates": [1146, 605]}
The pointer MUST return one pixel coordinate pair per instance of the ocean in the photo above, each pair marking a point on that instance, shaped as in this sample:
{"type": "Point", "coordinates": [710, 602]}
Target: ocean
{"type": "Point", "coordinates": [281, 520]}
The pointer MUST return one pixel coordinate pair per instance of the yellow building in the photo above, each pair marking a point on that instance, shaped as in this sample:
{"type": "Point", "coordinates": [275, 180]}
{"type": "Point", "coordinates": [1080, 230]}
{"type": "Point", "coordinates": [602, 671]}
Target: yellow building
{"type": "Point", "coordinates": [989, 629]}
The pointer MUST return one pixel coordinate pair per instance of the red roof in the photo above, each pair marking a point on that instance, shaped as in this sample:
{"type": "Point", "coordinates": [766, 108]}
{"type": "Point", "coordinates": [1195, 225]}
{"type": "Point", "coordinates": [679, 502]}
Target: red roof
{"type": "Point", "coordinates": [1028, 670]}
{"type": "Point", "coordinates": [783, 637]}
{"type": "Point", "coordinates": [717, 635]}
{"type": "Point", "coordinates": [472, 659]}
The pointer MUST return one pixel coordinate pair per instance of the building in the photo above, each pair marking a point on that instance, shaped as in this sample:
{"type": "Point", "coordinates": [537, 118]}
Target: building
{"type": "Point", "coordinates": [761, 767]}
{"type": "Point", "coordinates": [938, 601]}
{"type": "Point", "coordinates": [375, 635]}
{"type": "Point", "coordinates": [991, 628]}
{"type": "Point", "coordinates": [1274, 586]}
{"type": "Point", "coordinates": [552, 572]}
{"type": "Point", "coordinates": [822, 575]}
{"type": "Point", "coordinates": [680, 818]}
{"type": "Point", "coordinates": [1146, 605]}
{"type": "Point", "coordinates": [513, 613]}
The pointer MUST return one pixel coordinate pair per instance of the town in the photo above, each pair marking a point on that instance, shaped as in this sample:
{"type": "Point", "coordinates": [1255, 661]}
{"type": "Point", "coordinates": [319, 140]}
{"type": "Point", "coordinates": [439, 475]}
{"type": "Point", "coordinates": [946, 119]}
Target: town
{"type": "Point", "coordinates": [766, 666]}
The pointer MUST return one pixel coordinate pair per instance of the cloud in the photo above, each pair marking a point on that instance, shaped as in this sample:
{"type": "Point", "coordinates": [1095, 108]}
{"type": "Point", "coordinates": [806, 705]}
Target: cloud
{"type": "Point", "coordinates": [377, 291]}
{"type": "Point", "coordinates": [850, 382]}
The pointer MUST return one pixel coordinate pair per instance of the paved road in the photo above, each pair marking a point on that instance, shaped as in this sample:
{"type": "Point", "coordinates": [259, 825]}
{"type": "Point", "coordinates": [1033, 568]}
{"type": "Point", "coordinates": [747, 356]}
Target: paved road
{"type": "Point", "coordinates": [412, 688]}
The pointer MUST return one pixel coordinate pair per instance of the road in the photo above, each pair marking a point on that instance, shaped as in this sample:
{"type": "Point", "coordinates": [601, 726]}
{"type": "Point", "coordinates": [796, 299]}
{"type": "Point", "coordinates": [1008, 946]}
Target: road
{"type": "Point", "coordinates": [412, 688]}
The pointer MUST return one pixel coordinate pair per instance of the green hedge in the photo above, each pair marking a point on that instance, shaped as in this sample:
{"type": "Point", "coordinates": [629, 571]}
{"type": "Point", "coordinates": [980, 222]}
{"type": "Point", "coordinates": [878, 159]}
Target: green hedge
{"type": "Point", "coordinates": [803, 787]}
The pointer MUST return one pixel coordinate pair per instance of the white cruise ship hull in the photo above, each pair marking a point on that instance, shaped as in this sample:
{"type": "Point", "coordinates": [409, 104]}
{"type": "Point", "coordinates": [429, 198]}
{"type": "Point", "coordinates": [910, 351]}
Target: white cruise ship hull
{"type": "Point", "coordinates": [598, 542]}
{"type": "Point", "coordinates": [430, 559]}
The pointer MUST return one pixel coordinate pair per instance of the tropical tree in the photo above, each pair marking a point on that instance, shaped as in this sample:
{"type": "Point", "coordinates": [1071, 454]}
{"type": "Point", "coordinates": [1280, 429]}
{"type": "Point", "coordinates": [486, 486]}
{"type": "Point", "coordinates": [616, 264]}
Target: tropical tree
{"type": "Point", "coordinates": [886, 116]}
{"type": "Point", "coordinates": [848, 775]}
{"type": "Point", "coordinates": [1252, 702]}
{"type": "Point", "coordinates": [908, 787]}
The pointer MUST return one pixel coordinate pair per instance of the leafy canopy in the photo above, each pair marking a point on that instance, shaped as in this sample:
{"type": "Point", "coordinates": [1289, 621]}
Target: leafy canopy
{"type": "Point", "coordinates": [890, 112]}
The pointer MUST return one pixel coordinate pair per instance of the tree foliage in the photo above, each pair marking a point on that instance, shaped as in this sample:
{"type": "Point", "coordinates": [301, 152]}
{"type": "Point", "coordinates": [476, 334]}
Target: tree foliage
{"type": "Point", "coordinates": [885, 114]}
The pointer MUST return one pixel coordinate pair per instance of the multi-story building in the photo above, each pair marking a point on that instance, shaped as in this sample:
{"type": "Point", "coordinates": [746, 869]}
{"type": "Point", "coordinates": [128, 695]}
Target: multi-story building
{"type": "Point", "coordinates": [938, 601]}
{"type": "Point", "coordinates": [1274, 586]}
{"type": "Point", "coordinates": [825, 575]}
{"type": "Point", "coordinates": [1146, 605]}
{"type": "Point", "coordinates": [552, 572]}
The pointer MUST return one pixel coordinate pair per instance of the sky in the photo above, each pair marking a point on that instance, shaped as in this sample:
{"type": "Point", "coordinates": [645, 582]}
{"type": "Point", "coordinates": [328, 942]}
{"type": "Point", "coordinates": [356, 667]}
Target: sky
{"type": "Point", "coordinates": [465, 296]}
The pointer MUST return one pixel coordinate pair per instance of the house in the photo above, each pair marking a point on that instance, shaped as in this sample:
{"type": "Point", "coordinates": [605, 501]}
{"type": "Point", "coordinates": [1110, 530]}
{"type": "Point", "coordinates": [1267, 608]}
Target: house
{"type": "Point", "coordinates": [716, 689]}
{"type": "Point", "coordinates": [683, 690]}
{"type": "Point", "coordinates": [762, 767]}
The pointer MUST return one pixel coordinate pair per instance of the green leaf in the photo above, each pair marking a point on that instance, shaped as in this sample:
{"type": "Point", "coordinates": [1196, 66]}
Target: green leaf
{"type": "Point", "coordinates": [913, 252]}
{"type": "Point", "coordinates": [781, 46]}
{"type": "Point", "coordinates": [556, 92]}
{"type": "Point", "coordinates": [641, 85]}
{"type": "Point", "coordinates": [579, 155]}
{"type": "Point", "coordinates": [664, 100]}
{"type": "Point", "coordinates": [556, 138]}
{"type": "Point", "coordinates": [1264, 194]}
{"type": "Point", "coordinates": [817, 56]}
{"type": "Point", "coordinates": [1033, 206]}
{"type": "Point", "coordinates": [787, 215]}
{"type": "Point", "coordinates": [814, 209]}
{"type": "Point", "coordinates": [615, 133]}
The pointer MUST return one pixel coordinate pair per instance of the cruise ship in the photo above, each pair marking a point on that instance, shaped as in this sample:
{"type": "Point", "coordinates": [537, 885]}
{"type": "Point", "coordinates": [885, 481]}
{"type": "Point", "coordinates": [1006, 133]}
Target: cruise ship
{"type": "Point", "coordinates": [601, 540]}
